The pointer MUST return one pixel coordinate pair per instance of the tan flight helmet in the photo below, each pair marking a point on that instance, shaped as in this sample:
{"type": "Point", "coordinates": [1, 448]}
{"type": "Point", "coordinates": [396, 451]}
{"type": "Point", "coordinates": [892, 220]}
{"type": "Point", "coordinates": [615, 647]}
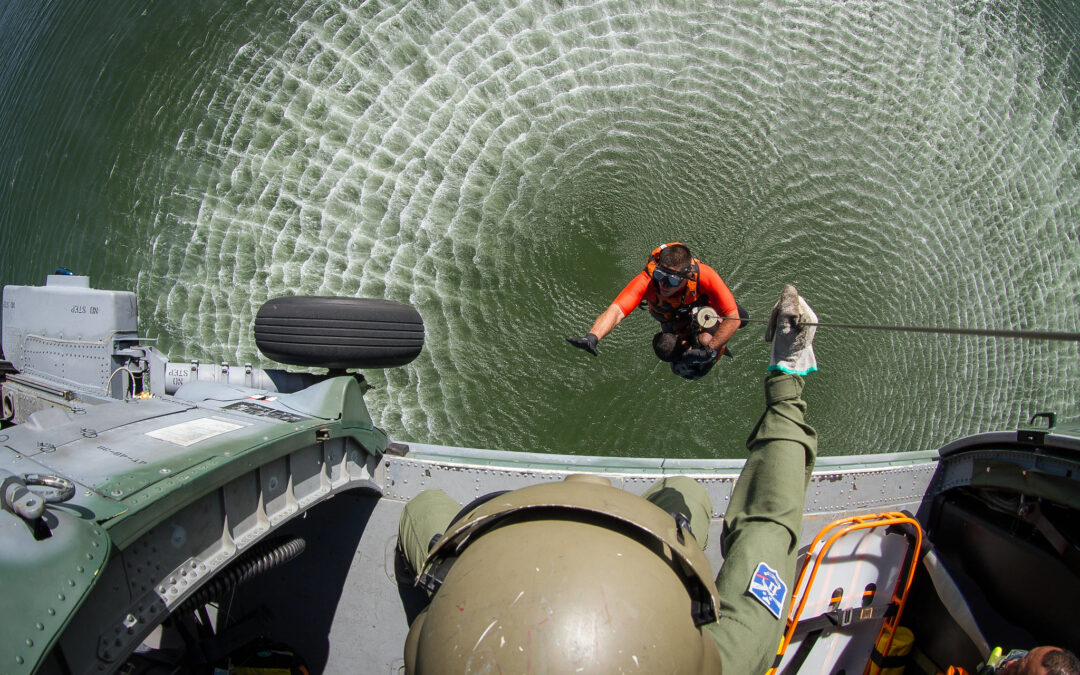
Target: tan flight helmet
{"type": "Point", "coordinates": [567, 577]}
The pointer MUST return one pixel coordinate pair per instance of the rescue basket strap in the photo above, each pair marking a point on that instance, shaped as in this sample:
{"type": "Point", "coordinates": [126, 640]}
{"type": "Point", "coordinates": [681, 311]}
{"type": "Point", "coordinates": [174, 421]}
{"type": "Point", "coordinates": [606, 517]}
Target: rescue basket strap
{"type": "Point", "coordinates": [838, 618]}
{"type": "Point", "coordinates": [887, 662]}
{"type": "Point", "coordinates": [953, 598]}
{"type": "Point", "coordinates": [805, 647]}
{"type": "Point", "coordinates": [813, 628]}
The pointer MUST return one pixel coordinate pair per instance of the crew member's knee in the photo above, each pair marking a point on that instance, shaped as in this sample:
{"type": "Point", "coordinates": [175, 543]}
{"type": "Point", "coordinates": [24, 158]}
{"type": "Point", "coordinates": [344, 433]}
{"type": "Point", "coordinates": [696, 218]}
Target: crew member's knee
{"type": "Point", "coordinates": [424, 516]}
{"type": "Point", "coordinates": [682, 494]}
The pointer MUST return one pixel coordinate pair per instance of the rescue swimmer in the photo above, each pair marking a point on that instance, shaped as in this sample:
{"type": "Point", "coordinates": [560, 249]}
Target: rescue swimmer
{"type": "Point", "coordinates": [580, 576]}
{"type": "Point", "coordinates": [675, 287]}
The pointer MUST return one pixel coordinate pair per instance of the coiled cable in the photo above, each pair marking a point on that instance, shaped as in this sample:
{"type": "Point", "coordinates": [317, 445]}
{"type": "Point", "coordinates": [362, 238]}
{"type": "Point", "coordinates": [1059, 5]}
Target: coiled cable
{"type": "Point", "coordinates": [261, 558]}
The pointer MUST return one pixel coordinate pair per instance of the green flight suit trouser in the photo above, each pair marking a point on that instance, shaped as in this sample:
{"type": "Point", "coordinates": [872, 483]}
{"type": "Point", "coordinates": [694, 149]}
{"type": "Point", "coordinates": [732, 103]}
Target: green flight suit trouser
{"type": "Point", "coordinates": [761, 525]}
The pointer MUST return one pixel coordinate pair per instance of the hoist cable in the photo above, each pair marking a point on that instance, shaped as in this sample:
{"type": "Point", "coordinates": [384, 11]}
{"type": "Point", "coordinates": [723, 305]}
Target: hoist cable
{"type": "Point", "coordinates": [1064, 336]}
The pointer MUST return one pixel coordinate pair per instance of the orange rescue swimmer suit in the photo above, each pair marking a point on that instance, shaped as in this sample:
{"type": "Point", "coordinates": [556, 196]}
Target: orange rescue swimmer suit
{"type": "Point", "coordinates": [705, 287]}
{"type": "Point", "coordinates": [673, 294]}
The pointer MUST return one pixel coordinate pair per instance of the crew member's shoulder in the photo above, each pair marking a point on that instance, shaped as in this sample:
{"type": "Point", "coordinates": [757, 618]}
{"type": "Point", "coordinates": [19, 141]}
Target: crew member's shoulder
{"type": "Point", "coordinates": [704, 271]}
{"type": "Point", "coordinates": [713, 287]}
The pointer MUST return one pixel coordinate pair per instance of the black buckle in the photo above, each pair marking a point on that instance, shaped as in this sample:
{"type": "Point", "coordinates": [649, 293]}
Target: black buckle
{"type": "Point", "coordinates": [682, 523]}
{"type": "Point", "coordinates": [432, 580]}
{"type": "Point", "coordinates": [845, 617]}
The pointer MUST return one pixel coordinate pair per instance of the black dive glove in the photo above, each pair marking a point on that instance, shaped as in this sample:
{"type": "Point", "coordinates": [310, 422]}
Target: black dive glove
{"type": "Point", "coordinates": [588, 343]}
{"type": "Point", "coordinates": [699, 355]}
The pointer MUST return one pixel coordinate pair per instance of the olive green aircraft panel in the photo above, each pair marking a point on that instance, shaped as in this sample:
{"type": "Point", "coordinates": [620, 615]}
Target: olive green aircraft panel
{"type": "Point", "coordinates": [49, 429]}
{"type": "Point", "coordinates": [45, 581]}
{"type": "Point", "coordinates": [214, 462]}
{"type": "Point", "coordinates": [146, 458]}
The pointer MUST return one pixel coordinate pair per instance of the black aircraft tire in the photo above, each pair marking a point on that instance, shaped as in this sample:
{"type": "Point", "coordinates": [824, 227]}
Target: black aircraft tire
{"type": "Point", "coordinates": [338, 333]}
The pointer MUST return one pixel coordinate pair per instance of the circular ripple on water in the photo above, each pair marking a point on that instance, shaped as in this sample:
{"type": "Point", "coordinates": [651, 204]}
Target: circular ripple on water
{"type": "Point", "coordinates": [505, 167]}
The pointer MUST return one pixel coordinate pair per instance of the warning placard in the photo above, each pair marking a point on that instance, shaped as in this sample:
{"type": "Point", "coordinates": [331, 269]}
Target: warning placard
{"type": "Point", "coordinates": [193, 431]}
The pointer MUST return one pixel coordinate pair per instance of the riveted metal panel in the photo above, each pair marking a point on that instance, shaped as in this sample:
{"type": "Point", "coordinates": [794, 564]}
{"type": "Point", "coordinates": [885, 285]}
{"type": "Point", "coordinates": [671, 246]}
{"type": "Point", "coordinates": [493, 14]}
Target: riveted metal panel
{"type": "Point", "coordinates": [246, 519]}
{"type": "Point", "coordinates": [957, 469]}
{"type": "Point", "coordinates": [167, 564]}
{"type": "Point", "coordinates": [309, 474]}
{"type": "Point", "coordinates": [867, 490]}
{"type": "Point", "coordinates": [45, 583]}
{"type": "Point", "coordinates": [277, 494]}
{"type": "Point", "coordinates": [835, 490]}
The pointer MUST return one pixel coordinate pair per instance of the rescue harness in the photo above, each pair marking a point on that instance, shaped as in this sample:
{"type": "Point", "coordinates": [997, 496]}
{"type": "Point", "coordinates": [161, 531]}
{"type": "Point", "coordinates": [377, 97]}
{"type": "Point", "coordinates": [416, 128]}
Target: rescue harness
{"type": "Point", "coordinates": [668, 310]}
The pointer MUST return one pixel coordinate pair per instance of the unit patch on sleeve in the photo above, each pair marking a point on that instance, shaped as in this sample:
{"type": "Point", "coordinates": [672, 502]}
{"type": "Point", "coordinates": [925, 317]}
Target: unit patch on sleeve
{"type": "Point", "coordinates": [769, 589]}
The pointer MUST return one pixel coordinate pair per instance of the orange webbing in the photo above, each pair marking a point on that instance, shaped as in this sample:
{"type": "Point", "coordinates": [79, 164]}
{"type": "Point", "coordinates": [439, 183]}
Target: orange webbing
{"type": "Point", "coordinates": [839, 528]}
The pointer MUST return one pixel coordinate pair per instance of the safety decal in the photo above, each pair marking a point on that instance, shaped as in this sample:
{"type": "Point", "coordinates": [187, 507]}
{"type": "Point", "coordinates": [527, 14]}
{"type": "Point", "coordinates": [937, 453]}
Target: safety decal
{"type": "Point", "coordinates": [193, 431]}
{"type": "Point", "coordinates": [769, 589]}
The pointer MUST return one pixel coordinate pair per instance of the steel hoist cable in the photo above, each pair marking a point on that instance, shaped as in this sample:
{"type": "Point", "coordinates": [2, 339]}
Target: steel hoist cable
{"type": "Point", "coordinates": [1063, 336]}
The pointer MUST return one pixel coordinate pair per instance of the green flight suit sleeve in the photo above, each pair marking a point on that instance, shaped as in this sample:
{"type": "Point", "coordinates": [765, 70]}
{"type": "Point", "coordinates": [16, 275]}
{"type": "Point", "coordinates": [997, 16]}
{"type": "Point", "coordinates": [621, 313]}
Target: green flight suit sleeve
{"type": "Point", "coordinates": [762, 525]}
